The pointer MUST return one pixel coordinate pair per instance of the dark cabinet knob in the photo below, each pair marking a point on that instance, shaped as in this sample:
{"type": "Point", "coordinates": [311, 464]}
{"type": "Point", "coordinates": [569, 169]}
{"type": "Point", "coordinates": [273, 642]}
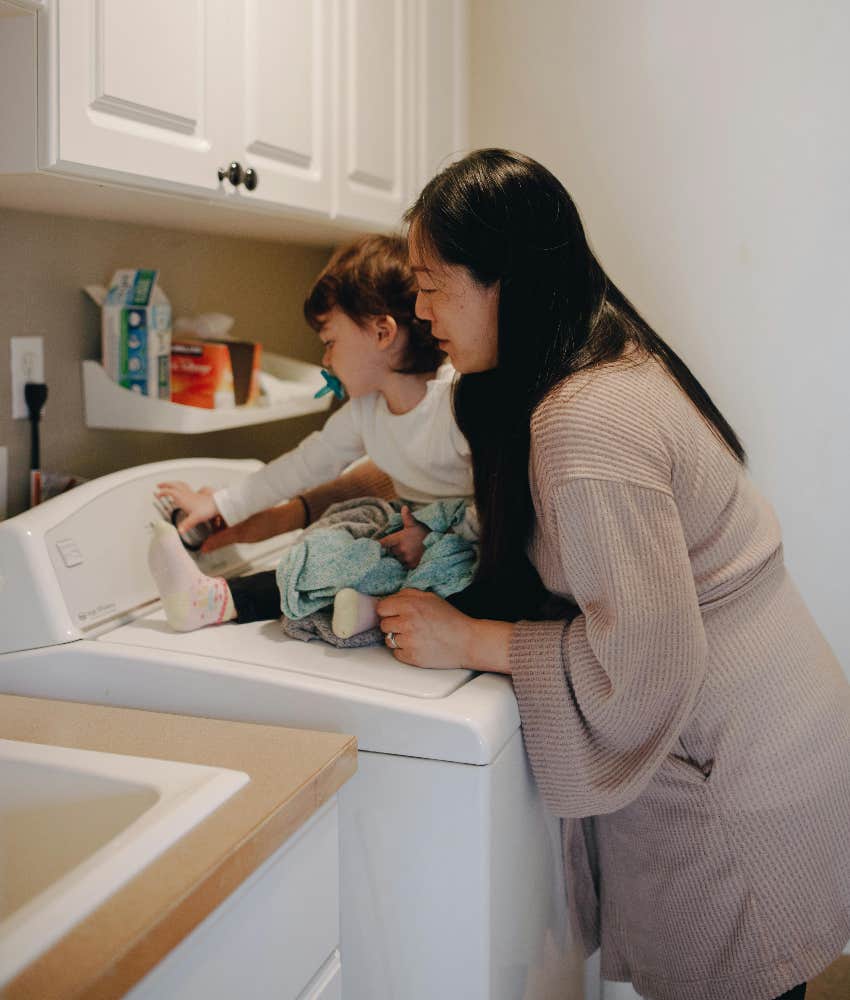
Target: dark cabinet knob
{"type": "Point", "coordinates": [251, 178]}
{"type": "Point", "coordinates": [234, 173]}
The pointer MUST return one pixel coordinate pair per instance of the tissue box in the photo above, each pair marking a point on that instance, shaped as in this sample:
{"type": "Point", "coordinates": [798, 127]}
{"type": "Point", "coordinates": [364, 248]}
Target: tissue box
{"type": "Point", "coordinates": [136, 333]}
{"type": "Point", "coordinates": [215, 373]}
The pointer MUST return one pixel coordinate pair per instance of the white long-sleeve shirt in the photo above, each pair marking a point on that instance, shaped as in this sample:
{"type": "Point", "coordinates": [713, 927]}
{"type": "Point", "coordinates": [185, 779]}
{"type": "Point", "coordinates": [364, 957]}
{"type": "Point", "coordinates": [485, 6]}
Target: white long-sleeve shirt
{"type": "Point", "coordinates": [422, 451]}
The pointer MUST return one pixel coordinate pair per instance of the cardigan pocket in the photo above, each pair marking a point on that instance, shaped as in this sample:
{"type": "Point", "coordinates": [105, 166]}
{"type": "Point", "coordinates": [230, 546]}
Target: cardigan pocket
{"type": "Point", "coordinates": [673, 883]}
{"type": "Point", "coordinates": [686, 769]}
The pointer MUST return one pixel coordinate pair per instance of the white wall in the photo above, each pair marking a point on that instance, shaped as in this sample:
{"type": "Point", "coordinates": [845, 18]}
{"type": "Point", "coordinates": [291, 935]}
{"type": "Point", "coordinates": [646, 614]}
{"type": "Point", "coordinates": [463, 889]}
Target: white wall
{"type": "Point", "coordinates": [708, 150]}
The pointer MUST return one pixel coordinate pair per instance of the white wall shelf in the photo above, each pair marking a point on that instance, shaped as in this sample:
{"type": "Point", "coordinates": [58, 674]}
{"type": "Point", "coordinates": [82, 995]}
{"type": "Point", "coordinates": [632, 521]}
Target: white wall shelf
{"type": "Point", "coordinates": [110, 405]}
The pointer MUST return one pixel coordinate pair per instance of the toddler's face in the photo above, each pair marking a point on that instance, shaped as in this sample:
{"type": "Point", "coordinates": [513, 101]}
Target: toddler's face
{"type": "Point", "coordinates": [351, 353]}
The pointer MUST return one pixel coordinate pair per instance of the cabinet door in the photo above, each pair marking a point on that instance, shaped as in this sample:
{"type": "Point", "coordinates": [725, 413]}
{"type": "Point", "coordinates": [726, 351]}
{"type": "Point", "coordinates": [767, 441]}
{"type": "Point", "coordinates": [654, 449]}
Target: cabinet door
{"type": "Point", "coordinates": [372, 95]}
{"type": "Point", "coordinates": [285, 119]}
{"type": "Point", "coordinates": [128, 90]}
{"type": "Point", "coordinates": [275, 938]}
{"type": "Point", "coordinates": [441, 58]}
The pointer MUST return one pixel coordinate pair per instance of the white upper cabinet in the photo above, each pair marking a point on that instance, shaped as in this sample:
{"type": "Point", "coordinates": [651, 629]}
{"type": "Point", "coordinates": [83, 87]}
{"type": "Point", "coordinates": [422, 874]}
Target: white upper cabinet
{"type": "Point", "coordinates": [336, 111]}
{"type": "Point", "coordinates": [374, 129]}
{"type": "Point", "coordinates": [128, 89]}
{"type": "Point", "coordinates": [284, 123]}
{"type": "Point", "coordinates": [440, 109]}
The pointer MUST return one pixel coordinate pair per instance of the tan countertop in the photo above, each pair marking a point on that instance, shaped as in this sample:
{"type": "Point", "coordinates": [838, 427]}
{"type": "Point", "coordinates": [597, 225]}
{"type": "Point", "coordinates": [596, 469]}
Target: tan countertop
{"type": "Point", "coordinates": [293, 772]}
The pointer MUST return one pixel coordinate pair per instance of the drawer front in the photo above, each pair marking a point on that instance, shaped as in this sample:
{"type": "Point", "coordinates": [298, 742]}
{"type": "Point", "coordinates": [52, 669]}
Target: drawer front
{"type": "Point", "coordinates": [269, 938]}
{"type": "Point", "coordinates": [327, 984]}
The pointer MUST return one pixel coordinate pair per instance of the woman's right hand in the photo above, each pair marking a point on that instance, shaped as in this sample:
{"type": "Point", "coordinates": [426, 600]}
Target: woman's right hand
{"type": "Point", "coordinates": [198, 505]}
{"type": "Point", "coordinates": [428, 632]}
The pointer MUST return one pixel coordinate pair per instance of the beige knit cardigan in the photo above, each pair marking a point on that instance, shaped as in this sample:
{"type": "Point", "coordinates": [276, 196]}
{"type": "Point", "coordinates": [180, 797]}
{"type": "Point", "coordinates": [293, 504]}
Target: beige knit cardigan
{"type": "Point", "coordinates": [691, 725]}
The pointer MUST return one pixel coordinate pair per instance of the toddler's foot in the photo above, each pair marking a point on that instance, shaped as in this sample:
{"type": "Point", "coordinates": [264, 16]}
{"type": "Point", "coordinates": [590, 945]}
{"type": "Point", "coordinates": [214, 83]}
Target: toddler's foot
{"type": "Point", "coordinates": [190, 599]}
{"type": "Point", "coordinates": [353, 613]}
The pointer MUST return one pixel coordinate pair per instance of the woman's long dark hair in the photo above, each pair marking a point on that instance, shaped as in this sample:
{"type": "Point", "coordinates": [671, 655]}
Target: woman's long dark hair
{"type": "Point", "coordinates": [505, 218]}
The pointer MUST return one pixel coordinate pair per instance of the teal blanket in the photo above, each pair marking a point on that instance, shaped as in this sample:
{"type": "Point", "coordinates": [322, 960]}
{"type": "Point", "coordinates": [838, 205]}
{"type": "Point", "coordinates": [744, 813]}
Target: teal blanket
{"type": "Point", "coordinates": [343, 550]}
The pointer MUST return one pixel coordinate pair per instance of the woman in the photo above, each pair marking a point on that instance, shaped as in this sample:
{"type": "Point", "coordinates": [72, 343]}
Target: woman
{"type": "Point", "coordinates": [688, 721]}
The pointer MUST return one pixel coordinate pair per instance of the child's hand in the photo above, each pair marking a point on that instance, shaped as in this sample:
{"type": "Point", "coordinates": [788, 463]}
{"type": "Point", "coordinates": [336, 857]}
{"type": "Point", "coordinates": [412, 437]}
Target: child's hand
{"type": "Point", "coordinates": [407, 545]}
{"type": "Point", "coordinates": [199, 505]}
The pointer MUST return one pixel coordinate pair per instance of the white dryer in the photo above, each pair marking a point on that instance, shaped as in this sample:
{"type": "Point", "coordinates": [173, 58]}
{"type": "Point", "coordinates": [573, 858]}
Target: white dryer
{"type": "Point", "coordinates": [450, 870]}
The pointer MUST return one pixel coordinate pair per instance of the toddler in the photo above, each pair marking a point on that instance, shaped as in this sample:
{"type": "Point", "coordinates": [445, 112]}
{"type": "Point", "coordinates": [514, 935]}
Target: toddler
{"type": "Point", "coordinates": [399, 413]}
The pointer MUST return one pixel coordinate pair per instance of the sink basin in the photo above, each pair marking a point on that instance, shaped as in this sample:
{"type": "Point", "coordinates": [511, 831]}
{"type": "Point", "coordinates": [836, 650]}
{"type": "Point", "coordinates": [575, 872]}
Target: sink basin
{"type": "Point", "coordinates": [76, 825]}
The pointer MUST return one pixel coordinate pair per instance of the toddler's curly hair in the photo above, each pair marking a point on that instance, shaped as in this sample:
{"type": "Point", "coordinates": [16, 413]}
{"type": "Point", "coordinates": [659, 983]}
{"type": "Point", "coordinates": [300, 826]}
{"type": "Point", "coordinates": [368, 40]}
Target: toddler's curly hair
{"type": "Point", "coordinates": [372, 277]}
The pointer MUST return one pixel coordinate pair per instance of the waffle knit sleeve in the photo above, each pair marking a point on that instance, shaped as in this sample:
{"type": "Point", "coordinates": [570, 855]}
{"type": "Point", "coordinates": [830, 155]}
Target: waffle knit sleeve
{"type": "Point", "coordinates": [603, 698]}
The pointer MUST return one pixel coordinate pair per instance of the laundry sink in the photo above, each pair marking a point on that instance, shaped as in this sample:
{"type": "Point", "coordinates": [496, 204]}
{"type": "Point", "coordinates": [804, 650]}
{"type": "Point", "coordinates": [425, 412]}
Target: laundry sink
{"type": "Point", "coordinates": [76, 825]}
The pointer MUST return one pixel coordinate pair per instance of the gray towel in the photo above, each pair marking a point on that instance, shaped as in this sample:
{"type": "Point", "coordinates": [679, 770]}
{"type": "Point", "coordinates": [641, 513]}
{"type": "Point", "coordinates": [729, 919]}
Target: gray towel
{"type": "Point", "coordinates": [318, 626]}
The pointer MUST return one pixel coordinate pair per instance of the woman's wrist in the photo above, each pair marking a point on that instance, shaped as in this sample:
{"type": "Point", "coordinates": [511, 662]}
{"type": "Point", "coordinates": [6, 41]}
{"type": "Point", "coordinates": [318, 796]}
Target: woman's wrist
{"type": "Point", "coordinates": [487, 646]}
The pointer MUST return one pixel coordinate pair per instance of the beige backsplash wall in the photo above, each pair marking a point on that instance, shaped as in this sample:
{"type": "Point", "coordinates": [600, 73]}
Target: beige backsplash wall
{"type": "Point", "coordinates": [44, 263]}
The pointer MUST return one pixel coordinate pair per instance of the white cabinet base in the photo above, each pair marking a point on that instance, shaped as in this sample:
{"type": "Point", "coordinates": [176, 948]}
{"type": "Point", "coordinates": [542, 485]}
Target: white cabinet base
{"type": "Point", "coordinates": [276, 936]}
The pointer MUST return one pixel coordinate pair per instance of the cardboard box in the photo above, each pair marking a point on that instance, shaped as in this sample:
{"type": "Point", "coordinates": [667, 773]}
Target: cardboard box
{"type": "Point", "coordinates": [136, 333]}
{"type": "Point", "coordinates": [215, 374]}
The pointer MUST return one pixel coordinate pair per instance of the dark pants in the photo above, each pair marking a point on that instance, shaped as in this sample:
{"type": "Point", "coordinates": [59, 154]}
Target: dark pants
{"type": "Point", "coordinates": [255, 597]}
{"type": "Point", "coordinates": [511, 597]}
{"type": "Point", "coordinates": [798, 993]}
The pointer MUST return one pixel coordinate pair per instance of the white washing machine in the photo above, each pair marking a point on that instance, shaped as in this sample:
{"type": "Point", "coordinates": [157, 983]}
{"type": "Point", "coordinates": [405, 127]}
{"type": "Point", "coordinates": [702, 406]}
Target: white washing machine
{"type": "Point", "coordinates": [451, 880]}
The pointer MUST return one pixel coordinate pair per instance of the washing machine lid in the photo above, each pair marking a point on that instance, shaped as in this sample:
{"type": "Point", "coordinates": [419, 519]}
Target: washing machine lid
{"type": "Point", "coordinates": [254, 673]}
{"type": "Point", "coordinates": [264, 644]}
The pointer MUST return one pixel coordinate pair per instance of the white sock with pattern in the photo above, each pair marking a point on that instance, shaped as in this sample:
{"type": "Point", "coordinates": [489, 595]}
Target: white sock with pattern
{"type": "Point", "coordinates": [190, 599]}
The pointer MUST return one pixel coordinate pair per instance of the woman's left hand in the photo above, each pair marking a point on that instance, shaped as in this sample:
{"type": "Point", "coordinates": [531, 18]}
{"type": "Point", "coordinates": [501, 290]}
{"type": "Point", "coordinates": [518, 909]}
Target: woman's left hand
{"type": "Point", "coordinates": [427, 631]}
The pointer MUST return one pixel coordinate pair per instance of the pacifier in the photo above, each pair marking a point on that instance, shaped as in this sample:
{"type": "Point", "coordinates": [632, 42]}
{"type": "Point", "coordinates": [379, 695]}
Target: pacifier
{"type": "Point", "coordinates": [333, 385]}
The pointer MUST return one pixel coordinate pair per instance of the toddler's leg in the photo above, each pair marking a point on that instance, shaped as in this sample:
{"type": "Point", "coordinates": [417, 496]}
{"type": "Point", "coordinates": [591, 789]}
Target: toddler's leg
{"type": "Point", "coordinates": [190, 598]}
{"type": "Point", "coordinates": [353, 613]}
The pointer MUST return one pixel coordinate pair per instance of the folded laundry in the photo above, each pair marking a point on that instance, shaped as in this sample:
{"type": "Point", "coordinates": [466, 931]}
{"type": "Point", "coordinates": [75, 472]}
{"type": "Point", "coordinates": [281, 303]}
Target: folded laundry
{"type": "Point", "coordinates": [343, 549]}
{"type": "Point", "coordinates": [318, 626]}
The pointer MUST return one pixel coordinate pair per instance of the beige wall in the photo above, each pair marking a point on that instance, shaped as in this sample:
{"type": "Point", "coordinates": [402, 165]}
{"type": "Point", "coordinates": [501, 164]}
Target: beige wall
{"type": "Point", "coordinates": [44, 263]}
{"type": "Point", "coordinates": [707, 149]}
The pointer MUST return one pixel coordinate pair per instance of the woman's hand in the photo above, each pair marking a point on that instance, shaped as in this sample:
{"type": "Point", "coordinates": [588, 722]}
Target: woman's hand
{"type": "Point", "coordinates": [425, 631]}
{"type": "Point", "coordinates": [259, 526]}
{"type": "Point", "coordinates": [198, 505]}
{"type": "Point", "coordinates": [407, 545]}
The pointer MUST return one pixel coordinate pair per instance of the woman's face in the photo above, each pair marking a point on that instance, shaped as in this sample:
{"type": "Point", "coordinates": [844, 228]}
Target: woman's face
{"type": "Point", "coordinates": [464, 315]}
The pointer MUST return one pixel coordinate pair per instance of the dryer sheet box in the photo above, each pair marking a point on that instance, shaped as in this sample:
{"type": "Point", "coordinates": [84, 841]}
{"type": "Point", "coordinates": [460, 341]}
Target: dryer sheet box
{"type": "Point", "coordinates": [215, 374]}
{"type": "Point", "coordinates": [136, 332]}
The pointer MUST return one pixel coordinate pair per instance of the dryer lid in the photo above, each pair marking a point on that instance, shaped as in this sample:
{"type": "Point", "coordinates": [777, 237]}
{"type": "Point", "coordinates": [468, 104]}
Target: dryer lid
{"type": "Point", "coordinates": [254, 673]}
{"type": "Point", "coordinates": [264, 644]}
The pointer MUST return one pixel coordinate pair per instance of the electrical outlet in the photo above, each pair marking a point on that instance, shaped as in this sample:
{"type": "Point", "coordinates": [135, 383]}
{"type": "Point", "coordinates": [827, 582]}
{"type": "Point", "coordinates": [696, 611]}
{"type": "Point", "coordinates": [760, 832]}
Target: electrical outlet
{"type": "Point", "coordinates": [27, 366]}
